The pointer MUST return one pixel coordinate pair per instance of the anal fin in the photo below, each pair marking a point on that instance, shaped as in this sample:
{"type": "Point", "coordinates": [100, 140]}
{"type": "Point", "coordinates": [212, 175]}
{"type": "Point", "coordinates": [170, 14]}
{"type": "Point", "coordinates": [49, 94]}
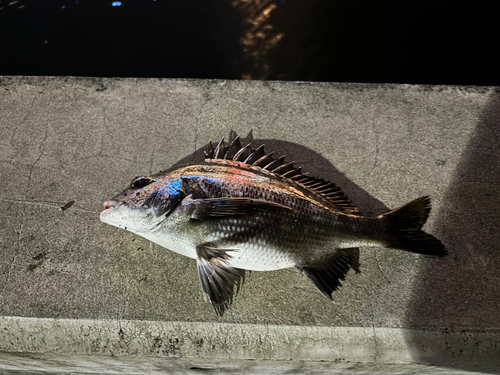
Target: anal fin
{"type": "Point", "coordinates": [326, 278]}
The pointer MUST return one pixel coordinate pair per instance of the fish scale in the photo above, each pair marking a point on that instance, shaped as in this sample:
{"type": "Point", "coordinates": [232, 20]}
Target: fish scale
{"type": "Point", "coordinates": [243, 209]}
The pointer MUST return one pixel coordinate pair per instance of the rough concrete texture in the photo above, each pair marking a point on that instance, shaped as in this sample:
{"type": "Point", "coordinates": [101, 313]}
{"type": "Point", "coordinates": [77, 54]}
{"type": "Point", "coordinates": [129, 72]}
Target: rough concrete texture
{"type": "Point", "coordinates": [242, 341]}
{"type": "Point", "coordinates": [83, 139]}
{"type": "Point", "coordinates": [29, 363]}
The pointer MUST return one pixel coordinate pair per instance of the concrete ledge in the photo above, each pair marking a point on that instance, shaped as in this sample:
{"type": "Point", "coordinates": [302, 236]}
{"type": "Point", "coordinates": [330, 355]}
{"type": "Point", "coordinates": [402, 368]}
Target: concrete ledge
{"type": "Point", "coordinates": [32, 363]}
{"type": "Point", "coordinates": [79, 286]}
{"type": "Point", "coordinates": [245, 341]}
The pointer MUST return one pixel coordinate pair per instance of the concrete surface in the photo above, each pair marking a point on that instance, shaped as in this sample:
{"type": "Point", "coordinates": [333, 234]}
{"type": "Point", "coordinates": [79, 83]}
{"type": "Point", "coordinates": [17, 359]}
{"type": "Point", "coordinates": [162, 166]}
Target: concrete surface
{"type": "Point", "coordinates": [238, 341]}
{"type": "Point", "coordinates": [27, 363]}
{"type": "Point", "coordinates": [84, 139]}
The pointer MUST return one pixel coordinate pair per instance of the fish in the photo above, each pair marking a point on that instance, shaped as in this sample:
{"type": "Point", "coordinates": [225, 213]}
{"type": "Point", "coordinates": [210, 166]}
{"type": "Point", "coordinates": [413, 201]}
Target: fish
{"type": "Point", "coordinates": [243, 209]}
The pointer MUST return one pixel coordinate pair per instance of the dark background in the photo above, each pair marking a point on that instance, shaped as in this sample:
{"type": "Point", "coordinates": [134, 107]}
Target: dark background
{"type": "Point", "coordinates": [314, 40]}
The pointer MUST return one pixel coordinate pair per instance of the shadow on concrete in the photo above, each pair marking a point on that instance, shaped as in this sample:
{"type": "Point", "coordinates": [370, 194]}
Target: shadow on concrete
{"type": "Point", "coordinates": [453, 305]}
{"type": "Point", "coordinates": [462, 294]}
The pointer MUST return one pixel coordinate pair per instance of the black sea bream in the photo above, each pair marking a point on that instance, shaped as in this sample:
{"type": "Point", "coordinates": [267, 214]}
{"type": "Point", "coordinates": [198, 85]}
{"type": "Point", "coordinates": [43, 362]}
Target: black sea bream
{"type": "Point", "coordinates": [242, 209]}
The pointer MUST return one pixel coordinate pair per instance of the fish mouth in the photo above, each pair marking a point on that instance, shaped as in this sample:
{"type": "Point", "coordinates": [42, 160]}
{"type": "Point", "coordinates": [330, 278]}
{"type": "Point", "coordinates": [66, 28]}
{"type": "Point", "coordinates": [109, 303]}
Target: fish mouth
{"type": "Point", "coordinates": [109, 206]}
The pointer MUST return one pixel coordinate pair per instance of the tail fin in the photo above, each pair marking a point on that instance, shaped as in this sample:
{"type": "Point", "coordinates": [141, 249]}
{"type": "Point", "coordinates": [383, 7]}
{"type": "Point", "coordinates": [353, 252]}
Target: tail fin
{"type": "Point", "coordinates": [406, 223]}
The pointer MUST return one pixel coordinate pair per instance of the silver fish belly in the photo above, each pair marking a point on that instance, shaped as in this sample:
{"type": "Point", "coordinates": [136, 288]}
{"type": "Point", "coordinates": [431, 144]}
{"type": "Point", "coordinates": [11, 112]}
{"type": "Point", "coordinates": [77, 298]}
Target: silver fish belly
{"type": "Point", "coordinates": [243, 209]}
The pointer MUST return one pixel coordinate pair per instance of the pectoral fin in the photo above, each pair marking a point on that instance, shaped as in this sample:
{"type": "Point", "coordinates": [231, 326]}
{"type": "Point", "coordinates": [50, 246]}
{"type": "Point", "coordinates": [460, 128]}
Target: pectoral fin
{"type": "Point", "coordinates": [326, 278]}
{"type": "Point", "coordinates": [217, 278]}
{"type": "Point", "coordinates": [213, 208]}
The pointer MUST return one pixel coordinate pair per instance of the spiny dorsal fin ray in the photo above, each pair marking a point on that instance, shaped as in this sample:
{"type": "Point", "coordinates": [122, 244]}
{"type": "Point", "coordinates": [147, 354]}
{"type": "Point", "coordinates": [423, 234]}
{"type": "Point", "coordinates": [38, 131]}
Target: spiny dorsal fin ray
{"type": "Point", "coordinates": [220, 150]}
{"type": "Point", "coordinates": [293, 172]}
{"type": "Point", "coordinates": [255, 155]}
{"type": "Point", "coordinates": [243, 153]}
{"type": "Point", "coordinates": [258, 157]}
{"type": "Point", "coordinates": [275, 163]}
{"type": "Point", "coordinates": [233, 148]}
{"type": "Point", "coordinates": [265, 160]}
{"type": "Point", "coordinates": [209, 153]}
{"type": "Point", "coordinates": [284, 168]}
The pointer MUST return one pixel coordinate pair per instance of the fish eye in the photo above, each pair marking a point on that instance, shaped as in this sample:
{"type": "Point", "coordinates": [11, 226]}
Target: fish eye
{"type": "Point", "coordinates": [140, 182]}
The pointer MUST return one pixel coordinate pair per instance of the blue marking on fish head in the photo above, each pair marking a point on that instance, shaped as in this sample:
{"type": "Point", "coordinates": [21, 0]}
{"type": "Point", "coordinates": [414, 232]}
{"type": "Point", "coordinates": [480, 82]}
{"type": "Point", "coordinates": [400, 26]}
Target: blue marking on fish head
{"type": "Point", "coordinates": [167, 196]}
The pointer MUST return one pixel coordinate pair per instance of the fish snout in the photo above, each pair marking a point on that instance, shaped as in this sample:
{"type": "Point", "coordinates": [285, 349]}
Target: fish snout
{"type": "Point", "coordinates": [109, 211]}
{"type": "Point", "coordinates": [110, 204]}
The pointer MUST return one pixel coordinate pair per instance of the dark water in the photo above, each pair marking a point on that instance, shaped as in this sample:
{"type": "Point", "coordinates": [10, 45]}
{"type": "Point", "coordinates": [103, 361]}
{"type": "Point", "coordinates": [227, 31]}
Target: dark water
{"type": "Point", "coordinates": [316, 40]}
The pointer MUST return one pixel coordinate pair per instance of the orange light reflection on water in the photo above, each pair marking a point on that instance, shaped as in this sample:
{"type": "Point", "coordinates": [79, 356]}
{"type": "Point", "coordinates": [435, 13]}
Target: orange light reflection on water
{"type": "Point", "coordinates": [260, 35]}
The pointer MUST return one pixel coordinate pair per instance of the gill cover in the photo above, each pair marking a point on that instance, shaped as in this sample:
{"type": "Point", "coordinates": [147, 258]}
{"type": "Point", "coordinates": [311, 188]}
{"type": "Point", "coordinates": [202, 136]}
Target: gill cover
{"type": "Point", "coordinates": [166, 197]}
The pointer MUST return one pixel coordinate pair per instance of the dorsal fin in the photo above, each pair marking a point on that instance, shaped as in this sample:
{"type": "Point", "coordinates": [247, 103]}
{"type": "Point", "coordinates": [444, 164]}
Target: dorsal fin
{"type": "Point", "coordinates": [258, 157]}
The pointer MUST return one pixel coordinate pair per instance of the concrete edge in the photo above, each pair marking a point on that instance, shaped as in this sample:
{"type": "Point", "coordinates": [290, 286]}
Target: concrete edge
{"type": "Point", "coordinates": [6, 80]}
{"type": "Point", "coordinates": [244, 341]}
{"type": "Point", "coordinates": [71, 364]}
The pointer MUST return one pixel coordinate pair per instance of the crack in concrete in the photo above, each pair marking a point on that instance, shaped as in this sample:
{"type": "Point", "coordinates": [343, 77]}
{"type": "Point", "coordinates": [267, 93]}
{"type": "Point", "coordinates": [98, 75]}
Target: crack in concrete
{"type": "Point", "coordinates": [197, 124]}
{"type": "Point", "coordinates": [30, 176]}
{"type": "Point", "coordinates": [101, 141]}
{"type": "Point", "coordinates": [100, 153]}
{"type": "Point", "coordinates": [380, 267]}
{"type": "Point", "coordinates": [24, 119]}
{"type": "Point", "coordinates": [105, 156]}
{"type": "Point", "coordinates": [106, 129]}
{"type": "Point", "coordinates": [376, 341]}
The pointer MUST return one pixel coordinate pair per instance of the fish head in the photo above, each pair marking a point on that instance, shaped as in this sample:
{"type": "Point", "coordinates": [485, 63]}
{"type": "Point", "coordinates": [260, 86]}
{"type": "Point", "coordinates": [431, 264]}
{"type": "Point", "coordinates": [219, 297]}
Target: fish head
{"type": "Point", "coordinates": [144, 203]}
